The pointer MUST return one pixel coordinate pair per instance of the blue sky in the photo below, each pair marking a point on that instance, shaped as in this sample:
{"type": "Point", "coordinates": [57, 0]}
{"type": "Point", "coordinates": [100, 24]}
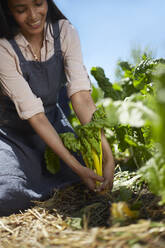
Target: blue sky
{"type": "Point", "coordinates": [109, 29]}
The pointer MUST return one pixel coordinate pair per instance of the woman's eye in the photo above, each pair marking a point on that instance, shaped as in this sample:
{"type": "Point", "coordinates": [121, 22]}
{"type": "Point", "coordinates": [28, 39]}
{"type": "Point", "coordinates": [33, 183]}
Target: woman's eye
{"type": "Point", "coordinates": [21, 11]}
{"type": "Point", "coordinates": [39, 3]}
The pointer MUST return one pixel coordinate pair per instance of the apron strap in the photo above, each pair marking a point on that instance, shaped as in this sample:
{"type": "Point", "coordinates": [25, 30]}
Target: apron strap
{"type": "Point", "coordinates": [56, 33]}
{"type": "Point", "coordinates": [17, 50]}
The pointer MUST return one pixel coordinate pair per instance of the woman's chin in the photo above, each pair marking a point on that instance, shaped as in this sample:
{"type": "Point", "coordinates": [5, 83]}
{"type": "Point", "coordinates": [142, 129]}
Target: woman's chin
{"type": "Point", "coordinates": [34, 31]}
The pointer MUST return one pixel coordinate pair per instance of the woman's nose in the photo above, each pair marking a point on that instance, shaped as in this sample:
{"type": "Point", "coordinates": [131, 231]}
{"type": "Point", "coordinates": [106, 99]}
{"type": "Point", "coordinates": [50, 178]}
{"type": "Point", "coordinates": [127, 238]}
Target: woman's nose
{"type": "Point", "coordinates": [32, 14]}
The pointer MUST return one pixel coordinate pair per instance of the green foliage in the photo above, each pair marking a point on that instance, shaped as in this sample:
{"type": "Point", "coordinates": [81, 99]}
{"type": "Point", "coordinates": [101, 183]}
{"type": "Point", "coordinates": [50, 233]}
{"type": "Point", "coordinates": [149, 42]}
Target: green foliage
{"type": "Point", "coordinates": [104, 83]}
{"type": "Point", "coordinates": [130, 108]}
{"type": "Point", "coordinates": [70, 141]}
{"type": "Point", "coordinates": [154, 173]}
{"type": "Point", "coordinates": [97, 94]}
{"type": "Point", "coordinates": [138, 52]}
{"type": "Point", "coordinates": [135, 106]}
{"type": "Point", "coordinates": [135, 79]}
{"type": "Point", "coordinates": [130, 125]}
{"type": "Point", "coordinates": [52, 161]}
{"type": "Point", "coordinates": [159, 77]}
{"type": "Point", "coordinates": [136, 55]}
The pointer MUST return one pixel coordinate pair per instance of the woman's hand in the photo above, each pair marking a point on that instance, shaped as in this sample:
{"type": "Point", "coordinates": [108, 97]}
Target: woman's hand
{"type": "Point", "coordinates": [108, 174]}
{"type": "Point", "coordinates": [108, 165]}
{"type": "Point", "coordinates": [90, 178]}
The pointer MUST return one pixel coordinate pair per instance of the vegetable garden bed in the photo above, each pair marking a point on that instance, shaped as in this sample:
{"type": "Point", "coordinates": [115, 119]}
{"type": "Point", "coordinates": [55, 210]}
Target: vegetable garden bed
{"type": "Point", "coordinates": [77, 217]}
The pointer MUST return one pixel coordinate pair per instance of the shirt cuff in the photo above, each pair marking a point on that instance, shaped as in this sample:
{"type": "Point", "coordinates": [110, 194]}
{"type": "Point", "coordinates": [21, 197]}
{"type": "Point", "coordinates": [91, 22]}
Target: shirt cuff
{"type": "Point", "coordinates": [78, 86]}
{"type": "Point", "coordinates": [30, 110]}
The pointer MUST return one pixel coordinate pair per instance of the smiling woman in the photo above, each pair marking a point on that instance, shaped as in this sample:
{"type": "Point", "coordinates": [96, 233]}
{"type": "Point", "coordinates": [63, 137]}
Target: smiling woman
{"type": "Point", "coordinates": [41, 68]}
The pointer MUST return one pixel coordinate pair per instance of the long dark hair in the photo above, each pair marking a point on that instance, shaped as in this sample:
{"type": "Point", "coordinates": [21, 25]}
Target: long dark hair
{"type": "Point", "coordinates": [8, 26]}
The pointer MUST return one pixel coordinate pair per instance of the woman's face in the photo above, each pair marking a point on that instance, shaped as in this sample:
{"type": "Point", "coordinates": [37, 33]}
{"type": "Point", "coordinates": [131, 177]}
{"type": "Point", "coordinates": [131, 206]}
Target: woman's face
{"type": "Point", "coordinates": [30, 15]}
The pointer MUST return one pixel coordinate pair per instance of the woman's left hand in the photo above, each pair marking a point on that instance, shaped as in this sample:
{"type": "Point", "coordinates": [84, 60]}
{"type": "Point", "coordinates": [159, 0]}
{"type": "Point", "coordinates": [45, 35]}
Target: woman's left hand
{"type": "Point", "coordinates": [108, 166]}
{"type": "Point", "coordinates": [108, 175]}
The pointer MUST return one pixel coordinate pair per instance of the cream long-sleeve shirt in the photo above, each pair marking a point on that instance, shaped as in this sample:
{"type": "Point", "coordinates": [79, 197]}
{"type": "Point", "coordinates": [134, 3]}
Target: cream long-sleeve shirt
{"type": "Point", "coordinates": [13, 82]}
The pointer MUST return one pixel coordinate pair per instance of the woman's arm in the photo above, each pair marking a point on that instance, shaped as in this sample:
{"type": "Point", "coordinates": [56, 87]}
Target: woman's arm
{"type": "Point", "coordinates": [84, 108]}
{"type": "Point", "coordinates": [46, 131]}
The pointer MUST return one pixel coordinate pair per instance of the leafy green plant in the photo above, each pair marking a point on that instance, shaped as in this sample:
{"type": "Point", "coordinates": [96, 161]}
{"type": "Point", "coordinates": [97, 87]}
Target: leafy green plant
{"type": "Point", "coordinates": [154, 170]}
{"type": "Point", "coordinates": [135, 107]}
{"type": "Point", "coordinates": [154, 174]}
{"type": "Point", "coordinates": [131, 109]}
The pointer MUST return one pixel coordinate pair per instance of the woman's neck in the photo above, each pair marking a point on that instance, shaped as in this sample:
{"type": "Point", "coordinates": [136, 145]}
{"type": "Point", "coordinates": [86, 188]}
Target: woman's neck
{"type": "Point", "coordinates": [35, 40]}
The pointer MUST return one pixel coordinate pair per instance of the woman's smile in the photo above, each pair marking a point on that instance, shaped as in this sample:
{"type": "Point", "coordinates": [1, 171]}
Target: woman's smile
{"type": "Point", "coordinates": [35, 25]}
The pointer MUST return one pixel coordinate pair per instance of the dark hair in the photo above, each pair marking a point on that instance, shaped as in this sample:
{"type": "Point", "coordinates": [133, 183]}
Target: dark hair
{"type": "Point", "coordinates": [8, 26]}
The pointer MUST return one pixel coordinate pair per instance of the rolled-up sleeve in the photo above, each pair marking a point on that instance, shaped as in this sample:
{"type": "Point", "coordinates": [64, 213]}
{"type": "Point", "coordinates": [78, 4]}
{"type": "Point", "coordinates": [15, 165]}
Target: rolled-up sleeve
{"type": "Point", "coordinates": [76, 73]}
{"type": "Point", "coordinates": [15, 86]}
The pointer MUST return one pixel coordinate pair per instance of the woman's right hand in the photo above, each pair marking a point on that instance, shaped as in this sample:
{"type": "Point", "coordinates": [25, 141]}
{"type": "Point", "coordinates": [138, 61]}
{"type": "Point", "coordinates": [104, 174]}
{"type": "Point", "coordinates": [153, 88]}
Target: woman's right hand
{"type": "Point", "coordinates": [90, 178]}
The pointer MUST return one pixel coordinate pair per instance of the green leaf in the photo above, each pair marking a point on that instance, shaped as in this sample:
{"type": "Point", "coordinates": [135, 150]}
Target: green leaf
{"type": "Point", "coordinates": [52, 161]}
{"type": "Point", "coordinates": [117, 87]}
{"type": "Point", "coordinates": [70, 141]}
{"type": "Point", "coordinates": [104, 83]}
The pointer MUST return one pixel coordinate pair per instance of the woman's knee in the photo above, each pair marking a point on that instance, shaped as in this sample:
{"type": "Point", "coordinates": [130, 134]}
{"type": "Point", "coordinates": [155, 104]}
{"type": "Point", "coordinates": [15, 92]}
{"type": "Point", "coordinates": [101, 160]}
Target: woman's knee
{"type": "Point", "coordinates": [12, 196]}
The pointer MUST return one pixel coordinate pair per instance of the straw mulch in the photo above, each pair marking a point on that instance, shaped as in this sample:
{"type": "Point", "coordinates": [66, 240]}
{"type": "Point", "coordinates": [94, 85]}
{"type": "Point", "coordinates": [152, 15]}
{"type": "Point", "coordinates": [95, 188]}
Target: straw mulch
{"type": "Point", "coordinates": [76, 217]}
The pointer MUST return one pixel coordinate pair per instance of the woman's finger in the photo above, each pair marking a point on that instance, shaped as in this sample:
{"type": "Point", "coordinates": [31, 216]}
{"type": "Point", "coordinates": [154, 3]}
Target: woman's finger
{"type": "Point", "coordinates": [105, 185]}
{"type": "Point", "coordinates": [97, 178]}
{"type": "Point", "coordinates": [91, 185]}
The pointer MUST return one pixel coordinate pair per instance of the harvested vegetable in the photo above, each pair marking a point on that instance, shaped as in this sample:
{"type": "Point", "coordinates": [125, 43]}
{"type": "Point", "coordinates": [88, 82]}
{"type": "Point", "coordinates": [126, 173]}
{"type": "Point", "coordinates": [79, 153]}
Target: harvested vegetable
{"type": "Point", "coordinates": [86, 141]}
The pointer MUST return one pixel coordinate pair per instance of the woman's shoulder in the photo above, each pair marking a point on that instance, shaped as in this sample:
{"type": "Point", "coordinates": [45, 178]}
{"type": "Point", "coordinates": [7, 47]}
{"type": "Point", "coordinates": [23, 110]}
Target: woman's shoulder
{"type": "Point", "coordinates": [5, 47]}
{"type": "Point", "coordinates": [66, 24]}
{"type": "Point", "coordinates": [4, 43]}
{"type": "Point", "coordinates": [66, 28]}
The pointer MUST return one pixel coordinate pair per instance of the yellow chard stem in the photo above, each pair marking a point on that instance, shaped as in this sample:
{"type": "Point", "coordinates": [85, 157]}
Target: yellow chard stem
{"type": "Point", "coordinates": [96, 163]}
{"type": "Point", "coordinates": [98, 159]}
{"type": "Point", "coordinates": [101, 153]}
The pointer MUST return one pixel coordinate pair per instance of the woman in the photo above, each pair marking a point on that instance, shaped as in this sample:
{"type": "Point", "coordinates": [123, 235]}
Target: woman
{"type": "Point", "coordinates": [40, 51]}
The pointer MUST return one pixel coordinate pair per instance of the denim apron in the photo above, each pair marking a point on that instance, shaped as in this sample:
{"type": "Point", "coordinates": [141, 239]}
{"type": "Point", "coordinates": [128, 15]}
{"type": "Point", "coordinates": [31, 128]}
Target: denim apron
{"type": "Point", "coordinates": [23, 174]}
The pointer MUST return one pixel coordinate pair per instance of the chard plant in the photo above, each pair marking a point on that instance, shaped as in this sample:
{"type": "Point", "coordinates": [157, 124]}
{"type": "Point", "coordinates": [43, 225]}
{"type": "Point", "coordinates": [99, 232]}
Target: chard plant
{"type": "Point", "coordinates": [131, 110]}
